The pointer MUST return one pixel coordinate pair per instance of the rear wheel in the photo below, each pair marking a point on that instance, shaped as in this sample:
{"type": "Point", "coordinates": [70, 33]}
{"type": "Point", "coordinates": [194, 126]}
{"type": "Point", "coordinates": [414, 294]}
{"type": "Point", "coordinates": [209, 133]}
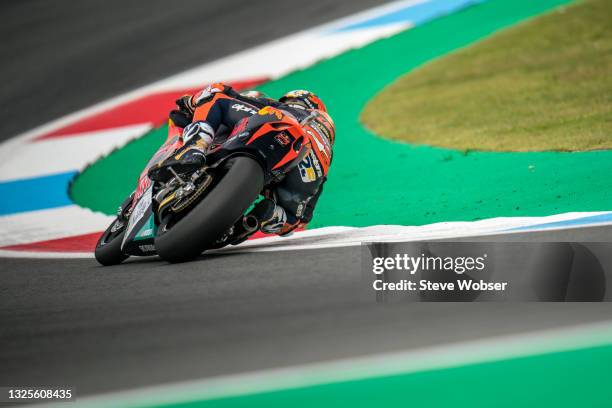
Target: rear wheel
{"type": "Point", "coordinates": [108, 249]}
{"type": "Point", "coordinates": [240, 182]}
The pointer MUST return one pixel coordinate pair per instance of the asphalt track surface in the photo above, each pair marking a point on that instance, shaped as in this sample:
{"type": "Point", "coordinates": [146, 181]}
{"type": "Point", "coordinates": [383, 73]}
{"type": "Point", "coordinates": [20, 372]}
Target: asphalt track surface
{"type": "Point", "coordinates": [62, 56]}
{"type": "Point", "coordinates": [71, 322]}
{"type": "Point", "coordinates": [147, 322]}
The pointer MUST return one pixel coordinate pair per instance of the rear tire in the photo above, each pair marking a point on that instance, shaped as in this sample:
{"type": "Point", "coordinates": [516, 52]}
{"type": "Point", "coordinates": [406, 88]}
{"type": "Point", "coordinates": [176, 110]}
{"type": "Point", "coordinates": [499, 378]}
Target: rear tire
{"type": "Point", "coordinates": [109, 252]}
{"type": "Point", "coordinates": [215, 214]}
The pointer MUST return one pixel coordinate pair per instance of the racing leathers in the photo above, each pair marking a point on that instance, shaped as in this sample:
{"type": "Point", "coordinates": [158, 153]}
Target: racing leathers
{"type": "Point", "coordinates": [210, 116]}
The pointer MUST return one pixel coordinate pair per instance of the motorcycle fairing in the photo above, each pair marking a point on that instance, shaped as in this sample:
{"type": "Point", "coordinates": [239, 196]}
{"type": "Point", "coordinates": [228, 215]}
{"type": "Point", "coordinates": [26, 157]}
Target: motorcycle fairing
{"type": "Point", "coordinates": [140, 233]}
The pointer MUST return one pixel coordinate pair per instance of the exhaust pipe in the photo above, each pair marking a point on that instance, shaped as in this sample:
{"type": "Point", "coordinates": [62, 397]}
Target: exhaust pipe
{"type": "Point", "coordinates": [250, 223]}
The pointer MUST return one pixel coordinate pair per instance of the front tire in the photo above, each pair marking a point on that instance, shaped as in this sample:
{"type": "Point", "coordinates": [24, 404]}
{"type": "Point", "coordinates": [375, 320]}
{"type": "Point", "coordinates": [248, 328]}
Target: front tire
{"type": "Point", "coordinates": [108, 249]}
{"type": "Point", "coordinates": [215, 214]}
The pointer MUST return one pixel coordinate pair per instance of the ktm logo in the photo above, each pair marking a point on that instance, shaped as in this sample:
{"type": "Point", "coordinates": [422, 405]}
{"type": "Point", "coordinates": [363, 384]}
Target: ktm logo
{"type": "Point", "coordinates": [268, 110]}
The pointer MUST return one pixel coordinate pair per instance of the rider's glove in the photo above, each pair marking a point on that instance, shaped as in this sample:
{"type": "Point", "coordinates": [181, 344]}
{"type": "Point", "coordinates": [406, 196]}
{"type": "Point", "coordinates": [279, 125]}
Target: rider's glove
{"type": "Point", "coordinates": [185, 104]}
{"type": "Point", "coordinates": [198, 130]}
{"type": "Point", "coordinates": [184, 114]}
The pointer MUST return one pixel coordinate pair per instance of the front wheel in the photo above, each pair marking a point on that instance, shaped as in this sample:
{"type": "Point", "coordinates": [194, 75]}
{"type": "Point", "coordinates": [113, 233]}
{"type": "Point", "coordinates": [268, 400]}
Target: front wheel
{"type": "Point", "coordinates": [241, 181]}
{"type": "Point", "coordinates": [108, 249]}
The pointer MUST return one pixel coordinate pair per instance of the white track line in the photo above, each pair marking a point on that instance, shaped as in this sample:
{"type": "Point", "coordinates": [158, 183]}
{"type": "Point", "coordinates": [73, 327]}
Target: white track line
{"type": "Point", "coordinates": [347, 236]}
{"type": "Point", "coordinates": [379, 365]}
{"type": "Point", "coordinates": [58, 155]}
{"type": "Point", "coordinates": [330, 237]}
{"type": "Point", "coordinates": [42, 225]}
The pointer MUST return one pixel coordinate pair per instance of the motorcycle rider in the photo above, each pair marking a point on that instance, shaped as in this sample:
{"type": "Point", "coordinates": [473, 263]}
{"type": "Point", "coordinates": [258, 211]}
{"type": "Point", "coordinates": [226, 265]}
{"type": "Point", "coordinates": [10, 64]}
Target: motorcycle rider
{"type": "Point", "coordinates": [209, 117]}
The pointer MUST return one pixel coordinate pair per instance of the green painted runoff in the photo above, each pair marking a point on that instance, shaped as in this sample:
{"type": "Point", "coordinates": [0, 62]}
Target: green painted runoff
{"type": "Point", "coordinates": [578, 378]}
{"type": "Point", "coordinates": [377, 181]}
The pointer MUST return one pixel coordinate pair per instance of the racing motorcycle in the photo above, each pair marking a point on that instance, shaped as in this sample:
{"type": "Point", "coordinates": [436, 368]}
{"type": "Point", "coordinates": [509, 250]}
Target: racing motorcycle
{"type": "Point", "coordinates": [206, 207]}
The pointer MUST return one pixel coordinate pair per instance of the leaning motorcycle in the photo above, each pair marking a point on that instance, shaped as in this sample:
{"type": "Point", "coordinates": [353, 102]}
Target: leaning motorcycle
{"type": "Point", "coordinates": [204, 208]}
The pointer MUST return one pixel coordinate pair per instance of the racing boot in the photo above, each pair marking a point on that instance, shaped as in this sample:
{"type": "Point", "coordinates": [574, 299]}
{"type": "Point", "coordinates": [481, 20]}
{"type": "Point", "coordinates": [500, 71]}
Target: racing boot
{"type": "Point", "coordinates": [188, 158]}
{"type": "Point", "coordinates": [272, 217]}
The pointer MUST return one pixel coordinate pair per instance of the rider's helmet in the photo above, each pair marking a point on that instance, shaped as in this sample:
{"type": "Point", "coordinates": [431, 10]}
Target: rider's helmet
{"type": "Point", "coordinates": [252, 94]}
{"type": "Point", "coordinates": [303, 99]}
{"type": "Point", "coordinates": [323, 124]}
{"type": "Point", "coordinates": [306, 100]}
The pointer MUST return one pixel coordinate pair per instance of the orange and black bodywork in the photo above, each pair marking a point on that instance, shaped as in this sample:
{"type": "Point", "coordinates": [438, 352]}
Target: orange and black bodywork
{"type": "Point", "coordinates": [294, 152]}
{"type": "Point", "coordinates": [293, 146]}
{"type": "Point", "coordinates": [274, 138]}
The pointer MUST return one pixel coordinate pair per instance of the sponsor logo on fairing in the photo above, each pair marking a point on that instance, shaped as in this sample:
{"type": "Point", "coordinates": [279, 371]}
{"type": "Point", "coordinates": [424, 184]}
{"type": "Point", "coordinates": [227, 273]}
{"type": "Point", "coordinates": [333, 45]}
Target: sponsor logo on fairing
{"type": "Point", "coordinates": [139, 211]}
{"type": "Point", "coordinates": [282, 139]}
{"type": "Point", "coordinates": [269, 110]}
{"type": "Point", "coordinates": [147, 248]}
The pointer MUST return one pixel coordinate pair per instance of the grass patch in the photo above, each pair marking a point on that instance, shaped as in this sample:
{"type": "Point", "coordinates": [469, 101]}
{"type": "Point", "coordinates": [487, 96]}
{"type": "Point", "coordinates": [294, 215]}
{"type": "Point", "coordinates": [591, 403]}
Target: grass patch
{"type": "Point", "coordinates": [542, 85]}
